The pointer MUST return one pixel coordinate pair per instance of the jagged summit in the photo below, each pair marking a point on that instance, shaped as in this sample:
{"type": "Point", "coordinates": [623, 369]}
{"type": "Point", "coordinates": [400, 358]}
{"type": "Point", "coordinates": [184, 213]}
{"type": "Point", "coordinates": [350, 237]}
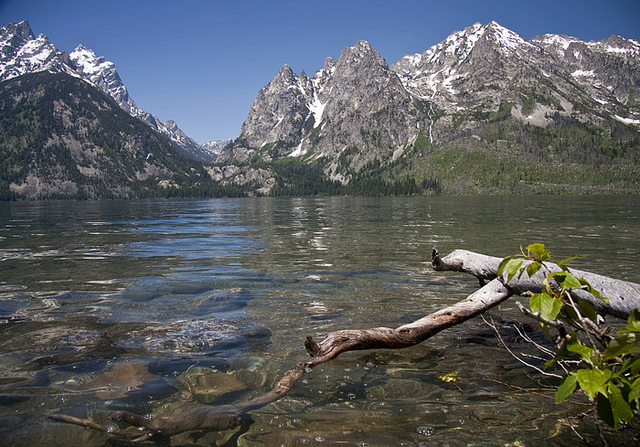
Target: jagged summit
{"type": "Point", "coordinates": [285, 75]}
{"type": "Point", "coordinates": [22, 53]}
{"type": "Point", "coordinates": [362, 50]}
{"type": "Point", "coordinates": [19, 31]}
{"type": "Point", "coordinates": [504, 36]}
{"type": "Point", "coordinates": [104, 75]}
{"type": "Point", "coordinates": [357, 113]}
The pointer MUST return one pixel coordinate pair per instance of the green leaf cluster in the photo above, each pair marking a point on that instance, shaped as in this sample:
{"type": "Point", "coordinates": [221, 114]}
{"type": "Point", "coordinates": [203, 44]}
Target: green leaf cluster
{"type": "Point", "coordinates": [608, 370]}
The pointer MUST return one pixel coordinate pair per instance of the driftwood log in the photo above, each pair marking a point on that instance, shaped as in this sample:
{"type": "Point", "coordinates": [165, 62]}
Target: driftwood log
{"type": "Point", "coordinates": [623, 297]}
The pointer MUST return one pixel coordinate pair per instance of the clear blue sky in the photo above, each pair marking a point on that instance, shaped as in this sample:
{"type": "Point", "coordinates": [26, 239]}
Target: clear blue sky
{"type": "Point", "coordinates": [202, 63]}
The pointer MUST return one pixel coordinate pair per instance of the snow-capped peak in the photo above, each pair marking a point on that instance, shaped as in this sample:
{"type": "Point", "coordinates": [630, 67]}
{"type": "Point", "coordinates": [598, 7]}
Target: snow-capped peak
{"type": "Point", "coordinates": [87, 61]}
{"type": "Point", "coordinates": [505, 37]}
{"type": "Point", "coordinates": [21, 52]}
{"type": "Point", "coordinates": [555, 40]}
{"type": "Point", "coordinates": [103, 74]}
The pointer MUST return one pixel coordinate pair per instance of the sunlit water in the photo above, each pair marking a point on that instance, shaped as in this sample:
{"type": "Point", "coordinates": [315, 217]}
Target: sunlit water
{"type": "Point", "coordinates": [145, 305]}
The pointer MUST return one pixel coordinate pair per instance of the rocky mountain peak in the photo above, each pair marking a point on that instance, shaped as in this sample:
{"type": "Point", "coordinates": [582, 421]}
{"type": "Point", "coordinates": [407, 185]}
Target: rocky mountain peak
{"type": "Point", "coordinates": [556, 44]}
{"type": "Point", "coordinates": [321, 76]}
{"type": "Point", "coordinates": [357, 66]}
{"type": "Point", "coordinates": [23, 53]}
{"type": "Point", "coordinates": [361, 55]}
{"type": "Point", "coordinates": [285, 75]}
{"type": "Point", "coordinates": [277, 111]}
{"type": "Point", "coordinates": [623, 45]}
{"type": "Point", "coordinates": [171, 125]}
{"type": "Point", "coordinates": [328, 67]}
{"type": "Point", "coordinates": [104, 75]}
{"type": "Point", "coordinates": [507, 41]}
{"type": "Point", "coordinates": [19, 32]}
{"type": "Point", "coordinates": [362, 50]}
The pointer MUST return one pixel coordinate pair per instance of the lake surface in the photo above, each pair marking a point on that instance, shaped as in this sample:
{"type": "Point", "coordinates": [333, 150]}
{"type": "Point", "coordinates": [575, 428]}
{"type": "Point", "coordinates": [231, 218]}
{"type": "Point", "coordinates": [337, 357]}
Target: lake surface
{"type": "Point", "coordinates": [152, 306]}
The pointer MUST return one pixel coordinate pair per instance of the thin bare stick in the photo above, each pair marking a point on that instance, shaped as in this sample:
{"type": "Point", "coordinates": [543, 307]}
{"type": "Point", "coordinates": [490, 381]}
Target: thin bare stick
{"type": "Point", "coordinates": [492, 325]}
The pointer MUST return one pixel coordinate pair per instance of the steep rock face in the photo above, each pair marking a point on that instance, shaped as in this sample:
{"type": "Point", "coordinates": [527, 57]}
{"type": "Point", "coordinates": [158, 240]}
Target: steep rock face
{"type": "Point", "coordinates": [366, 108]}
{"type": "Point", "coordinates": [355, 107]}
{"type": "Point", "coordinates": [278, 113]}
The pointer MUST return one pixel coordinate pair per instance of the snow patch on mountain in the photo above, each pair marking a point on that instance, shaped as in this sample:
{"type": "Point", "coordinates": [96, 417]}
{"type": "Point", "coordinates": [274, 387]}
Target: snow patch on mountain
{"type": "Point", "coordinates": [626, 120]}
{"type": "Point", "coordinates": [298, 151]}
{"type": "Point", "coordinates": [316, 107]}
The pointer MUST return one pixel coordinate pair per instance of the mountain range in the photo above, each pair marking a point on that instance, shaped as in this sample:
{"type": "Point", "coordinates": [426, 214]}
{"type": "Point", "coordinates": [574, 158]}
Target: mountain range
{"type": "Point", "coordinates": [22, 52]}
{"type": "Point", "coordinates": [483, 112]}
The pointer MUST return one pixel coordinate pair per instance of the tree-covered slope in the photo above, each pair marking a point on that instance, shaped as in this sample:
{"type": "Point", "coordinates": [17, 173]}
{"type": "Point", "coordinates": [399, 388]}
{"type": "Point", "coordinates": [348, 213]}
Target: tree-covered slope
{"type": "Point", "coordinates": [62, 138]}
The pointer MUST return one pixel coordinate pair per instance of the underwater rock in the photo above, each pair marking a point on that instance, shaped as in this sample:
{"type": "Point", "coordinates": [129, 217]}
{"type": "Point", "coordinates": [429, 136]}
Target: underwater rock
{"type": "Point", "coordinates": [208, 385]}
{"type": "Point", "coordinates": [116, 383]}
{"type": "Point", "coordinates": [201, 336]}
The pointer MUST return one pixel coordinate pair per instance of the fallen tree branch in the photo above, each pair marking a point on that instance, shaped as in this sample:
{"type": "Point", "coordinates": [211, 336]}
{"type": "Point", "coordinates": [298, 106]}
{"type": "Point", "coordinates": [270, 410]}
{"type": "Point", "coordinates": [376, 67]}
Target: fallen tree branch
{"type": "Point", "coordinates": [624, 296]}
{"type": "Point", "coordinates": [481, 266]}
{"type": "Point", "coordinates": [410, 334]}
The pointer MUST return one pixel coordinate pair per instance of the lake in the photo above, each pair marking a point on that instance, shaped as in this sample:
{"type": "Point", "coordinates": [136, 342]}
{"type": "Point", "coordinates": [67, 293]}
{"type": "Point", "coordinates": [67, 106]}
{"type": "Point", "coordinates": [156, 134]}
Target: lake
{"type": "Point", "coordinates": [155, 306]}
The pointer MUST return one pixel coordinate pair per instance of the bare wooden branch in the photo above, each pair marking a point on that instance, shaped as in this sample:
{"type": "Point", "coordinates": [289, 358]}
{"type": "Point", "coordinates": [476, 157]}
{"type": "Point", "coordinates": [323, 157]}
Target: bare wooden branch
{"type": "Point", "coordinates": [483, 267]}
{"type": "Point", "coordinates": [90, 423]}
{"type": "Point", "coordinates": [622, 296]}
{"type": "Point", "coordinates": [410, 334]}
{"type": "Point", "coordinates": [496, 331]}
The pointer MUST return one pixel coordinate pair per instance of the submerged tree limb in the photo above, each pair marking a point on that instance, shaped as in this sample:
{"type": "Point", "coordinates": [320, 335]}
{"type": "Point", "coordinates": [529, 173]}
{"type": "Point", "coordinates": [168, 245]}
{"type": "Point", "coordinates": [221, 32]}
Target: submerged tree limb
{"type": "Point", "coordinates": [201, 417]}
{"type": "Point", "coordinates": [623, 295]}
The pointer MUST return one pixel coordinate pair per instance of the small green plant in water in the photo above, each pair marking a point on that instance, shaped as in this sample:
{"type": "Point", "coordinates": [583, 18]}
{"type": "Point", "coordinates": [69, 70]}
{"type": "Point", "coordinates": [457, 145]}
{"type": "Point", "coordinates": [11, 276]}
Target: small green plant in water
{"type": "Point", "coordinates": [608, 371]}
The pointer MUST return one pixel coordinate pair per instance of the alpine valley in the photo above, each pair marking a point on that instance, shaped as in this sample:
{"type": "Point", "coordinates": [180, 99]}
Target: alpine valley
{"type": "Point", "coordinates": [483, 112]}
